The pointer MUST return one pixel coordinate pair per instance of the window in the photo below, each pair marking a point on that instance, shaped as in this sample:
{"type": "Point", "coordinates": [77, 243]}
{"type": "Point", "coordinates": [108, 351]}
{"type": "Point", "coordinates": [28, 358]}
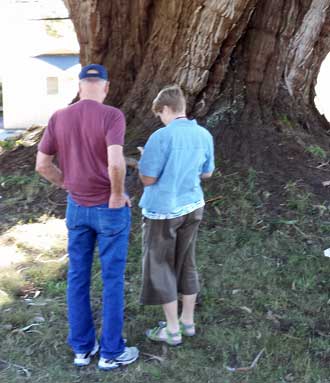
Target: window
{"type": "Point", "coordinates": [52, 85]}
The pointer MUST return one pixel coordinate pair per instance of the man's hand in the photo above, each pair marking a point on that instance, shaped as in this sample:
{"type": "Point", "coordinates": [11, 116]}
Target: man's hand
{"type": "Point", "coordinates": [117, 201]}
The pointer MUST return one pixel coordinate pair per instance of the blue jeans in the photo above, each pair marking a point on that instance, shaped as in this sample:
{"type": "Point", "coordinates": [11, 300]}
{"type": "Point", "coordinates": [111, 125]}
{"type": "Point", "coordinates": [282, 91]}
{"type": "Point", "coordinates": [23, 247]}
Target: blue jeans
{"type": "Point", "coordinates": [110, 228]}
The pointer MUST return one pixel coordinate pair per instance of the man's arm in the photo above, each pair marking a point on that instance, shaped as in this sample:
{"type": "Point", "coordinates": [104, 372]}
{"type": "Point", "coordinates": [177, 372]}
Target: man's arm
{"type": "Point", "coordinates": [117, 172]}
{"type": "Point", "coordinates": [46, 168]}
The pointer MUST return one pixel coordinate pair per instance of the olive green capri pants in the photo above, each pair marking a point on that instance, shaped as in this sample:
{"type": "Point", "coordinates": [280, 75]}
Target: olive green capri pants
{"type": "Point", "coordinates": [169, 265]}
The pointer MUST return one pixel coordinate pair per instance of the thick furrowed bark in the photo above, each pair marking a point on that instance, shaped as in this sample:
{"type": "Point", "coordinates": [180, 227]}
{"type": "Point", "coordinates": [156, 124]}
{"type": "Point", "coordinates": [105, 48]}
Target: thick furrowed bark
{"type": "Point", "coordinates": [245, 65]}
{"type": "Point", "coordinates": [301, 59]}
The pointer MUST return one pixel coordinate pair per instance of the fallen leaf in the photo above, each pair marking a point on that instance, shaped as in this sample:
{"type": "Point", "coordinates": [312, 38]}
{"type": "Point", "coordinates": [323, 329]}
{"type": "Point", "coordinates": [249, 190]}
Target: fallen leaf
{"type": "Point", "coordinates": [26, 328]}
{"type": "Point", "coordinates": [247, 309]}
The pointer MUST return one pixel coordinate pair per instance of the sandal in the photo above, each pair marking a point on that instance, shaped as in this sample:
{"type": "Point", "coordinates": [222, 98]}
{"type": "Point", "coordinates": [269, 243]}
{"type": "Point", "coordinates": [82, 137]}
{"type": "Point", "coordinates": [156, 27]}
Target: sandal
{"type": "Point", "coordinates": [187, 329]}
{"type": "Point", "coordinates": [168, 337]}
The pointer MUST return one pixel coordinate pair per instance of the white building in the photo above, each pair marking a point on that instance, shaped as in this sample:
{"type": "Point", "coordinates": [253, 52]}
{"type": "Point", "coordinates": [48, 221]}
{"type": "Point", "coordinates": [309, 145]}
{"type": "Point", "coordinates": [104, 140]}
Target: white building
{"type": "Point", "coordinates": [37, 86]}
{"type": "Point", "coordinates": [39, 63]}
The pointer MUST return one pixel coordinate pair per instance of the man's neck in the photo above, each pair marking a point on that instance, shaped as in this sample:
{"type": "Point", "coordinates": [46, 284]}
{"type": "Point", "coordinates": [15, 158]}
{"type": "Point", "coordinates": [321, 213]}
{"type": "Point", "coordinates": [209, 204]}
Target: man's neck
{"type": "Point", "coordinates": [93, 98]}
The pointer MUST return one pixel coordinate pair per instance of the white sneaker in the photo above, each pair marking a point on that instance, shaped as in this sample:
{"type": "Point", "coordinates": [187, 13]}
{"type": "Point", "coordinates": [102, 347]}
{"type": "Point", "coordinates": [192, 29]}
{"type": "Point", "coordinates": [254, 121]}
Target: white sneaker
{"type": "Point", "coordinates": [81, 360]}
{"type": "Point", "coordinates": [129, 356]}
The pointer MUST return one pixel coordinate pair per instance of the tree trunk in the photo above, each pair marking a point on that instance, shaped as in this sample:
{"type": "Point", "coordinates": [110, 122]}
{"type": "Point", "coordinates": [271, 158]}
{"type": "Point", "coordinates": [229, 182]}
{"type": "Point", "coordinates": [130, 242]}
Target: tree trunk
{"type": "Point", "coordinates": [248, 67]}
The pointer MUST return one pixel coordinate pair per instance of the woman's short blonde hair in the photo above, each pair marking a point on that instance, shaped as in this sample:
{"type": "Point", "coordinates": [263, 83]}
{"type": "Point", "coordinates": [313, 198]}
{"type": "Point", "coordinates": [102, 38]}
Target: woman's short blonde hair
{"type": "Point", "coordinates": [172, 97]}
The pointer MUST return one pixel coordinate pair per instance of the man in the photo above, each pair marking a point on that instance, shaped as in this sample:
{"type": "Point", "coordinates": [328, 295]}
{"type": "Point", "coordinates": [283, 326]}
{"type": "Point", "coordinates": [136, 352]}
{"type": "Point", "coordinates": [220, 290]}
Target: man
{"type": "Point", "coordinates": [87, 139]}
{"type": "Point", "coordinates": [173, 162]}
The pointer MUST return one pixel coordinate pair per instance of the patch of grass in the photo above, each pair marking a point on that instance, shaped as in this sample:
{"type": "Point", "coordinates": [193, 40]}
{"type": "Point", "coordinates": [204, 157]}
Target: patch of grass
{"type": "Point", "coordinates": [45, 274]}
{"type": "Point", "coordinates": [55, 287]}
{"type": "Point", "coordinates": [4, 298]}
{"type": "Point", "coordinates": [317, 151]}
{"type": "Point", "coordinates": [8, 144]}
{"type": "Point", "coordinates": [11, 282]}
{"type": "Point", "coordinates": [32, 262]}
{"type": "Point", "coordinates": [264, 287]}
{"type": "Point", "coordinates": [297, 198]}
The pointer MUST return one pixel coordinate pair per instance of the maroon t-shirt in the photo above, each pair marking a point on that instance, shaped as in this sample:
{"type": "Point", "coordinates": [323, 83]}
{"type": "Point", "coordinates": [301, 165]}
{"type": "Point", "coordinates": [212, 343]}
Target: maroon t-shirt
{"type": "Point", "coordinates": [79, 136]}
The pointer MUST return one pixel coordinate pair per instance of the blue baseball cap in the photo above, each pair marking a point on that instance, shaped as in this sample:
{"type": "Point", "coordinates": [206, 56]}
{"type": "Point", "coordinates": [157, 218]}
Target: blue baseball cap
{"type": "Point", "coordinates": [93, 71]}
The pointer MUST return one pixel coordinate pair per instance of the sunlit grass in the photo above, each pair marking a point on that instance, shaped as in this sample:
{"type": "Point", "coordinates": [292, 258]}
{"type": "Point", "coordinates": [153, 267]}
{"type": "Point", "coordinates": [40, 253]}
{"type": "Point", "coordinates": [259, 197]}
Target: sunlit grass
{"type": "Point", "coordinates": [31, 256]}
{"type": "Point", "coordinates": [4, 298]}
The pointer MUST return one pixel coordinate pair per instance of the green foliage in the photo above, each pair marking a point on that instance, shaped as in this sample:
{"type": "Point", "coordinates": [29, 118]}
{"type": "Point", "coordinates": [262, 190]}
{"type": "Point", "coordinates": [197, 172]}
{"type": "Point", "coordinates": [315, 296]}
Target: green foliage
{"type": "Point", "coordinates": [284, 119]}
{"type": "Point", "coordinates": [8, 144]}
{"type": "Point", "coordinates": [15, 180]}
{"type": "Point", "coordinates": [317, 151]}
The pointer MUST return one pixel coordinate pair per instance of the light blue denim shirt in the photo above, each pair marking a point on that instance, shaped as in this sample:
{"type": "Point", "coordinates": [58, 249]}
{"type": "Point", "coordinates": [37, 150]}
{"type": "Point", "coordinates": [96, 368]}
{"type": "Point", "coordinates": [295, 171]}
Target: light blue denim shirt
{"type": "Point", "coordinates": [176, 155]}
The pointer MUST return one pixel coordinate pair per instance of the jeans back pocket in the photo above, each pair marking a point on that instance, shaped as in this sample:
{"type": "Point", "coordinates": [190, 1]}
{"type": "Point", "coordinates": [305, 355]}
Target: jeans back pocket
{"type": "Point", "coordinates": [113, 221]}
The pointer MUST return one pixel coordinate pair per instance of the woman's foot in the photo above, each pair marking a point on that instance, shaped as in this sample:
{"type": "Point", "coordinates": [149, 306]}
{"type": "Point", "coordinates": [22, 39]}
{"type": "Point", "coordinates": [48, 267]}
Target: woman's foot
{"type": "Point", "coordinates": [162, 334]}
{"type": "Point", "coordinates": [187, 329]}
